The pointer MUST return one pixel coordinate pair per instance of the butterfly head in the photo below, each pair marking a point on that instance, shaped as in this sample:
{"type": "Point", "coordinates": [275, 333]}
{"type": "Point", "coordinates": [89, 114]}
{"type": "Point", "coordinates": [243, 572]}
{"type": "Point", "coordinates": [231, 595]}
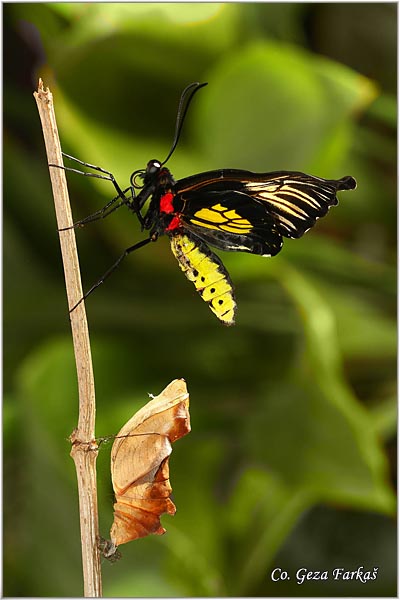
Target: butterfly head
{"type": "Point", "coordinates": [152, 170]}
{"type": "Point", "coordinates": [143, 177]}
{"type": "Point", "coordinates": [154, 174]}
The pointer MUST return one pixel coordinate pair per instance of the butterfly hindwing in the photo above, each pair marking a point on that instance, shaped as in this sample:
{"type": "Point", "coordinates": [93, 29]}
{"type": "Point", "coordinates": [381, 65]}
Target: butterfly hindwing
{"type": "Point", "coordinates": [232, 221]}
{"type": "Point", "coordinates": [206, 271]}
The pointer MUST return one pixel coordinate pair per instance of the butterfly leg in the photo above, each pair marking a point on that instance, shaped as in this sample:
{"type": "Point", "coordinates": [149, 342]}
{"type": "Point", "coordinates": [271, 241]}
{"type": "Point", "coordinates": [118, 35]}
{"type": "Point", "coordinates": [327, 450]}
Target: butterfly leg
{"type": "Point", "coordinates": [102, 279]}
{"type": "Point", "coordinates": [130, 202]}
{"type": "Point", "coordinates": [108, 176]}
{"type": "Point", "coordinates": [99, 214]}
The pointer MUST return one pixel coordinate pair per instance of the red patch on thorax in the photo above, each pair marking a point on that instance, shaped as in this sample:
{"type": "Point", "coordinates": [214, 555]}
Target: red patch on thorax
{"type": "Point", "coordinates": [167, 207]}
{"type": "Point", "coordinates": [175, 224]}
{"type": "Point", "coordinates": [166, 203]}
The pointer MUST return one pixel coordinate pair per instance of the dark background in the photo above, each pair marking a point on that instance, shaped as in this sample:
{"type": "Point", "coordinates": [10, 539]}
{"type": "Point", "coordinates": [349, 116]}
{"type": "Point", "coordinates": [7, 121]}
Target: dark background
{"type": "Point", "coordinates": [291, 461]}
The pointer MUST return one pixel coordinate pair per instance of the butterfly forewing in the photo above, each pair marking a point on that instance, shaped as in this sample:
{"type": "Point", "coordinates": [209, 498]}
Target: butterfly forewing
{"type": "Point", "coordinates": [295, 200]}
{"type": "Point", "coordinates": [279, 203]}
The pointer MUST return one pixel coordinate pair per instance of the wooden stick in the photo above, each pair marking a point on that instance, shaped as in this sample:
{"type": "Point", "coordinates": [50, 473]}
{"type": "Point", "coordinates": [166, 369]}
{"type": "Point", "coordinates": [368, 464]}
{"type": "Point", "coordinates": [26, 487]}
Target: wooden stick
{"type": "Point", "coordinates": [84, 447]}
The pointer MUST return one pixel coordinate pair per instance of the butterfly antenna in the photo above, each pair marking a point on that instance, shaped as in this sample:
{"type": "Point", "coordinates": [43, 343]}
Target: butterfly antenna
{"type": "Point", "coordinates": [184, 103]}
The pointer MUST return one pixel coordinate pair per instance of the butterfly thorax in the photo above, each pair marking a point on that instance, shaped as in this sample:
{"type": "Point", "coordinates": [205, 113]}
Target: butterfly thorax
{"type": "Point", "coordinates": [163, 214]}
{"type": "Point", "coordinates": [169, 208]}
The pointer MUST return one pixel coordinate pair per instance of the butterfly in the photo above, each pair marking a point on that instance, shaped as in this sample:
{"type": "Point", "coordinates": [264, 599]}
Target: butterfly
{"type": "Point", "coordinates": [229, 209]}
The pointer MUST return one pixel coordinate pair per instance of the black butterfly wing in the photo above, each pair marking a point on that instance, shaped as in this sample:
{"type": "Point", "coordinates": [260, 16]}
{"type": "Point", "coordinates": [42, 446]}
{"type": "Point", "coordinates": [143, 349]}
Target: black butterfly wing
{"type": "Point", "coordinates": [282, 203]}
{"type": "Point", "coordinates": [295, 200]}
{"type": "Point", "coordinates": [232, 221]}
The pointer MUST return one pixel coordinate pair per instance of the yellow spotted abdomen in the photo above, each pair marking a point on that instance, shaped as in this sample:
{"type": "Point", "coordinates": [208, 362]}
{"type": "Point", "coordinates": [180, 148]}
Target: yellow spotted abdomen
{"type": "Point", "coordinates": [206, 271]}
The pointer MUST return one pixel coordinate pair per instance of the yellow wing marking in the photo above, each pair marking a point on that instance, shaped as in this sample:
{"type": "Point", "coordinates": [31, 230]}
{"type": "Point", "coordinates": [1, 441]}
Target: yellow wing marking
{"type": "Point", "coordinates": [219, 207]}
{"type": "Point", "coordinates": [223, 219]}
{"type": "Point", "coordinates": [208, 275]}
{"type": "Point", "coordinates": [210, 215]}
{"type": "Point", "coordinates": [242, 222]}
{"type": "Point", "coordinates": [232, 215]}
{"type": "Point", "coordinates": [203, 224]}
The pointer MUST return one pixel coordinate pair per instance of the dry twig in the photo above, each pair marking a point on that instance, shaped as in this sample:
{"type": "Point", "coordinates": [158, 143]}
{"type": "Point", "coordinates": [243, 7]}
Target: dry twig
{"type": "Point", "coordinates": [84, 447]}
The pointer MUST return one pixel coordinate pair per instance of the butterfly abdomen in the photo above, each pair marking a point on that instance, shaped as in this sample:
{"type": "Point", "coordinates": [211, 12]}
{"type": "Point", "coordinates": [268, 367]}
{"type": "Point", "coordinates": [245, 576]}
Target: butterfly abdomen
{"type": "Point", "coordinates": [206, 271]}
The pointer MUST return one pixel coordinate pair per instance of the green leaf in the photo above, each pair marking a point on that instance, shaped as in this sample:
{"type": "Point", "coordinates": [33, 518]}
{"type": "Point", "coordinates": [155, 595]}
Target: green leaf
{"type": "Point", "coordinates": [143, 583]}
{"type": "Point", "coordinates": [324, 355]}
{"type": "Point", "coordinates": [261, 514]}
{"type": "Point", "coordinates": [195, 540]}
{"type": "Point", "coordinates": [258, 126]}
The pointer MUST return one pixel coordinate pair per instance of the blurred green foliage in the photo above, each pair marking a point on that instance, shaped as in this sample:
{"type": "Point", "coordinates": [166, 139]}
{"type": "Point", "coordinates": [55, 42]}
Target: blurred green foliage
{"type": "Point", "coordinates": [291, 459]}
